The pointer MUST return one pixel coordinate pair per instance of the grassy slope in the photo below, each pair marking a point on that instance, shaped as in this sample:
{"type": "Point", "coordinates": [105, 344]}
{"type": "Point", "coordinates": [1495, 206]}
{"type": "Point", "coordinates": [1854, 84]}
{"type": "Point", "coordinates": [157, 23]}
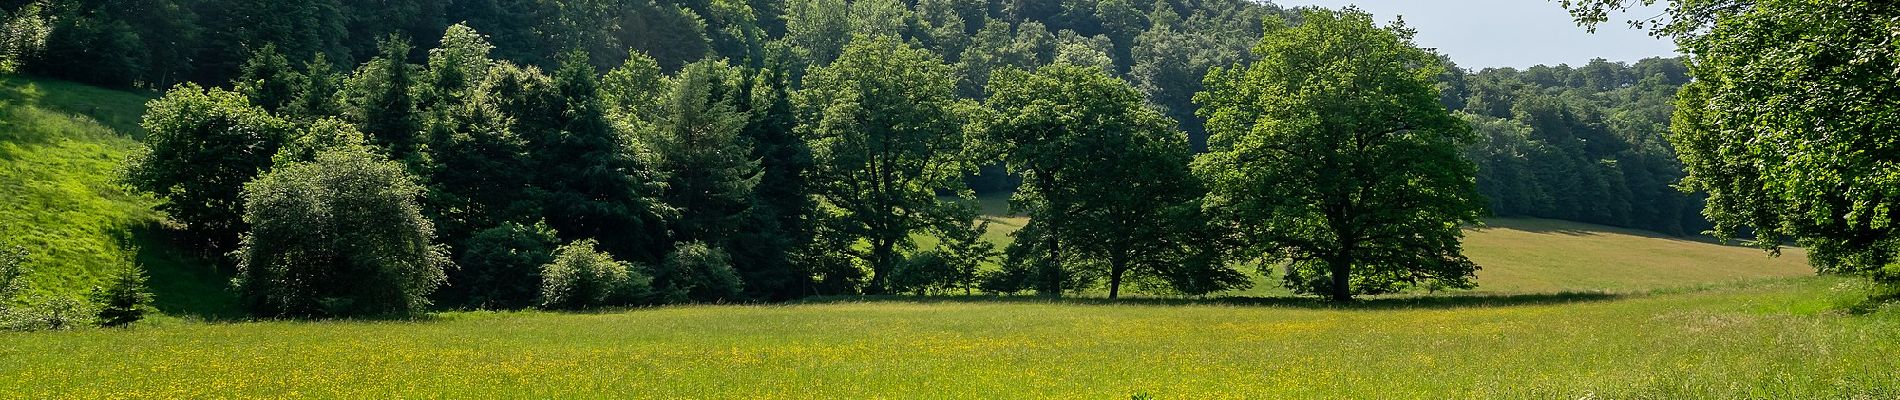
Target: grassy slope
{"type": "Point", "coordinates": [1763, 340]}
{"type": "Point", "coordinates": [61, 145]}
{"type": "Point", "coordinates": [1543, 256]}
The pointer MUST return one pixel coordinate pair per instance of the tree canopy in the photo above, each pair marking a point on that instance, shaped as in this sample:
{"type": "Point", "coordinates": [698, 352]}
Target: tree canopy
{"type": "Point", "coordinates": [886, 132]}
{"type": "Point", "coordinates": [1332, 153]}
{"type": "Point", "coordinates": [341, 234]}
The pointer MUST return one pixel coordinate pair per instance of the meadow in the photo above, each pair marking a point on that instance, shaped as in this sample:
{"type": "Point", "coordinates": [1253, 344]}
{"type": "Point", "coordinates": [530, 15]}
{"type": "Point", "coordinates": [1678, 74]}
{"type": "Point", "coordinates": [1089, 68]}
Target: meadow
{"type": "Point", "coordinates": [1564, 310]}
{"type": "Point", "coordinates": [1780, 338]}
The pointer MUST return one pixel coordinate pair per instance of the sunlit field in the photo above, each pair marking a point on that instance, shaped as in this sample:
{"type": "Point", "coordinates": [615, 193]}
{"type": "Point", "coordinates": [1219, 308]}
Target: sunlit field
{"type": "Point", "coordinates": [1774, 339]}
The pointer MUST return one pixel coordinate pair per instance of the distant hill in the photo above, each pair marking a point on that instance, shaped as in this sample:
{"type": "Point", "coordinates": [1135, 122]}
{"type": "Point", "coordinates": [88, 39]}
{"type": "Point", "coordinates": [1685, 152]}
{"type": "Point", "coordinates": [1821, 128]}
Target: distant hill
{"type": "Point", "coordinates": [61, 146]}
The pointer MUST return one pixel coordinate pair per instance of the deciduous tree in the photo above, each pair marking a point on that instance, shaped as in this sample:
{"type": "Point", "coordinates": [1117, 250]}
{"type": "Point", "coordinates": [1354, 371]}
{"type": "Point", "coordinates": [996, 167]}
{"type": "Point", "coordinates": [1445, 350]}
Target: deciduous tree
{"type": "Point", "coordinates": [886, 131]}
{"type": "Point", "coordinates": [1333, 154]}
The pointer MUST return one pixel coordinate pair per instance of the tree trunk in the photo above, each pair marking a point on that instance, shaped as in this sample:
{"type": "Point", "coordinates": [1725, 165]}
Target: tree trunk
{"type": "Point", "coordinates": [882, 255]}
{"type": "Point", "coordinates": [1053, 239]}
{"type": "Point", "coordinates": [1341, 265]}
{"type": "Point", "coordinates": [1116, 268]}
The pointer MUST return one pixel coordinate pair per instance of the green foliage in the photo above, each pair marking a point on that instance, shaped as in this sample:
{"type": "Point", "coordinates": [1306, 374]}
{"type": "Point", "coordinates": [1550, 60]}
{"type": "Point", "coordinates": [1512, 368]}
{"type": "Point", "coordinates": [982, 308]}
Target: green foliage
{"type": "Point", "coordinates": [23, 36]}
{"type": "Point", "coordinates": [1358, 191]}
{"type": "Point", "coordinates": [1106, 178]}
{"type": "Point", "coordinates": [126, 300]}
{"type": "Point", "coordinates": [1785, 128]}
{"type": "Point", "coordinates": [701, 148]}
{"type": "Point", "coordinates": [632, 91]}
{"type": "Point", "coordinates": [381, 100]}
{"type": "Point", "coordinates": [268, 80]}
{"type": "Point", "coordinates": [955, 264]}
{"type": "Point", "coordinates": [201, 145]}
{"type": "Point", "coordinates": [1583, 144]}
{"type": "Point", "coordinates": [886, 134]}
{"type": "Point", "coordinates": [697, 272]}
{"type": "Point", "coordinates": [500, 267]}
{"type": "Point", "coordinates": [581, 277]}
{"type": "Point", "coordinates": [341, 235]}
{"type": "Point", "coordinates": [822, 27]}
{"type": "Point", "coordinates": [589, 180]}
{"type": "Point", "coordinates": [777, 231]}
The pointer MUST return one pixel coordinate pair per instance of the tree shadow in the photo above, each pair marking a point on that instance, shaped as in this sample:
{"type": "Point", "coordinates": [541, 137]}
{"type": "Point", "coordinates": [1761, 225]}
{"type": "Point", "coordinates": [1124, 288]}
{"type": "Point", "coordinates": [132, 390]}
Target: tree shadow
{"type": "Point", "coordinates": [1453, 301]}
{"type": "Point", "coordinates": [183, 284]}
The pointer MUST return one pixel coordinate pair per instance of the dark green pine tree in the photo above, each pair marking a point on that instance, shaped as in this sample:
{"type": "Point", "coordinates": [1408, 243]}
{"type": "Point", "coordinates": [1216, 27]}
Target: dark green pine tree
{"type": "Point", "coordinates": [316, 98]}
{"type": "Point", "coordinates": [126, 300]}
{"type": "Point", "coordinates": [383, 103]}
{"type": "Point", "coordinates": [589, 180]}
{"type": "Point", "coordinates": [778, 227]}
{"type": "Point", "coordinates": [268, 80]}
{"type": "Point", "coordinates": [702, 151]}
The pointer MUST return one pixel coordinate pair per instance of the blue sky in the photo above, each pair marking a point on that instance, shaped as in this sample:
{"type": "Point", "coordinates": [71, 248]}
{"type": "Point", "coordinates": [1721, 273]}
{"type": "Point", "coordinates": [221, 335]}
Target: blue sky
{"type": "Point", "coordinates": [1511, 33]}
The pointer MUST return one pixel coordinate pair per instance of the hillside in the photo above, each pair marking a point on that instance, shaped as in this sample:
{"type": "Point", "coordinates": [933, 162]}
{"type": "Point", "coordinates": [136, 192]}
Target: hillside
{"type": "Point", "coordinates": [61, 145]}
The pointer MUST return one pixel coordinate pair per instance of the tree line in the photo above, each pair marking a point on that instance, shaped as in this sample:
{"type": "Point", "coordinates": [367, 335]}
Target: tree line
{"type": "Point", "coordinates": [1584, 144]}
{"type": "Point", "coordinates": [467, 181]}
{"type": "Point", "coordinates": [1163, 46]}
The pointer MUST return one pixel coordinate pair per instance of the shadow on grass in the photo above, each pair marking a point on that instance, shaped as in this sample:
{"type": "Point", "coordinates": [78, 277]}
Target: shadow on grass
{"type": "Point", "coordinates": [183, 284]}
{"type": "Point", "coordinates": [1374, 303]}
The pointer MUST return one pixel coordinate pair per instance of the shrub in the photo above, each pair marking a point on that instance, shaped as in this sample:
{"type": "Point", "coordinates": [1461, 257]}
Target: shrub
{"type": "Point", "coordinates": [695, 272]}
{"type": "Point", "coordinates": [39, 313]}
{"type": "Point", "coordinates": [126, 300]}
{"type": "Point", "coordinates": [52, 313]}
{"type": "Point", "coordinates": [501, 266]}
{"type": "Point", "coordinates": [341, 235]}
{"type": "Point", "coordinates": [929, 272]}
{"type": "Point", "coordinates": [582, 277]}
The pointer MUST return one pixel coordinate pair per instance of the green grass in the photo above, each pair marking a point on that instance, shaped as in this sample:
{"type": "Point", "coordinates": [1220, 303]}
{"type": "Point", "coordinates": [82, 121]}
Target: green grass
{"type": "Point", "coordinates": [1565, 311]}
{"type": "Point", "coordinates": [1542, 256]}
{"type": "Point", "coordinates": [1773, 339]}
{"type": "Point", "coordinates": [61, 147]}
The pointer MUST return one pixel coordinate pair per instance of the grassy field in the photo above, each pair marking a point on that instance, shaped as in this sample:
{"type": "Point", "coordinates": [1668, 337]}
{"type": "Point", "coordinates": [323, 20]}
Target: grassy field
{"type": "Point", "coordinates": [1771, 339]}
{"type": "Point", "coordinates": [1545, 256]}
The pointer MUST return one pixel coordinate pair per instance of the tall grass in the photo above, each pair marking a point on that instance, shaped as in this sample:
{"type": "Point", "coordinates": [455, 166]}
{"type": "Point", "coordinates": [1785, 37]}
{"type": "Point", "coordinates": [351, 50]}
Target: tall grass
{"type": "Point", "coordinates": [1777, 339]}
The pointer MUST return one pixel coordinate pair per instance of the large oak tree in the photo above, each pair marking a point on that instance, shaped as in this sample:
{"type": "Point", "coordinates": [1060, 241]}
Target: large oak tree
{"type": "Point", "coordinates": [1333, 154]}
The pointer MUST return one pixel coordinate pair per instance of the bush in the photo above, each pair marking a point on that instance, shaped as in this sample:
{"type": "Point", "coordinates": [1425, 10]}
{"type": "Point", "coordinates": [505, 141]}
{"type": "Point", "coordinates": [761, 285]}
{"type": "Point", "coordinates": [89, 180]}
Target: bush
{"type": "Point", "coordinates": [51, 313]}
{"type": "Point", "coordinates": [40, 313]}
{"type": "Point", "coordinates": [126, 301]}
{"type": "Point", "coordinates": [501, 266]}
{"type": "Point", "coordinates": [930, 272]}
{"type": "Point", "coordinates": [695, 272]}
{"type": "Point", "coordinates": [341, 235]}
{"type": "Point", "coordinates": [583, 277]}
